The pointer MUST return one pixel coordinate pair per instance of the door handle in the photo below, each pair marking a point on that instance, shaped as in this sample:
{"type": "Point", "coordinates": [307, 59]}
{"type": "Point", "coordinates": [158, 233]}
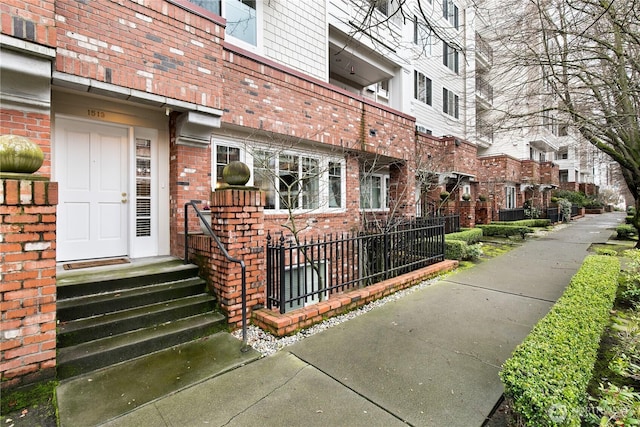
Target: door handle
{"type": "Point", "coordinates": [124, 198]}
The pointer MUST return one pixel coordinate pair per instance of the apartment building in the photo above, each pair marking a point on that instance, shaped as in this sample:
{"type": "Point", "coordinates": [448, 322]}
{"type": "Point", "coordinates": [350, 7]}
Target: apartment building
{"type": "Point", "coordinates": [343, 110]}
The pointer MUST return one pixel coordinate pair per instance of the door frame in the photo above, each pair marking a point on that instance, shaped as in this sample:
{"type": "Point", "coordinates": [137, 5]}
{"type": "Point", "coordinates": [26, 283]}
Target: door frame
{"type": "Point", "coordinates": [136, 247]}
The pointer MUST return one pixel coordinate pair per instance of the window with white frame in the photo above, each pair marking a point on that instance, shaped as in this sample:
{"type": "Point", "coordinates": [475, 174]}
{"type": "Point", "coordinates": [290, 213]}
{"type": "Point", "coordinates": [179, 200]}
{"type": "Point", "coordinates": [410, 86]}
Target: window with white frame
{"type": "Point", "coordinates": [450, 103]}
{"type": "Point", "coordinates": [422, 35]}
{"type": "Point", "coordinates": [374, 192]}
{"type": "Point", "coordinates": [450, 12]}
{"type": "Point", "coordinates": [290, 180]}
{"type": "Point", "coordinates": [510, 197]}
{"type": "Point", "coordinates": [421, 87]}
{"type": "Point", "coordinates": [450, 57]}
{"type": "Point", "coordinates": [223, 156]}
{"type": "Point", "coordinates": [241, 16]}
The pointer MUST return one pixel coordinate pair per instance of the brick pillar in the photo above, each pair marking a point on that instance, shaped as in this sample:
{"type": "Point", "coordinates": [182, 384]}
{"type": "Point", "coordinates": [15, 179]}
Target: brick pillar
{"type": "Point", "coordinates": [237, 218]}
{"type": "Point", "coordinates": [27, 280]}
{"type": "Point", "coordinates": [467, 210]}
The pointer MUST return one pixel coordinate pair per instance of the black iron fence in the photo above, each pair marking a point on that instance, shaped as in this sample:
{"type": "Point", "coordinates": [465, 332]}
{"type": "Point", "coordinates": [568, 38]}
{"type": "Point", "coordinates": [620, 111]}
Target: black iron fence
{"type": "Point", "coordinates": [303, 273]}
{"type": "Point", "coordinates": [553, 215]}
{"type": "Point", "coordinates": [511, 214]}
{"type": "Point", "coordinates": [451, 223]}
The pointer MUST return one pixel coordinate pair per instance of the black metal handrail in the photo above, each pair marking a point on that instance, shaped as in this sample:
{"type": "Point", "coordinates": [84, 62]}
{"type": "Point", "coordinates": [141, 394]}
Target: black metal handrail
{"type": "Point", "coordinates": [245, 346]}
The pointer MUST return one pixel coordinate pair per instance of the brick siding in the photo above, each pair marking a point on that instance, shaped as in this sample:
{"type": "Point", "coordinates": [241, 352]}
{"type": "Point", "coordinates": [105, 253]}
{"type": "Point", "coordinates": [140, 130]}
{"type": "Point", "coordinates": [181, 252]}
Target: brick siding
{"type": "Point", "coordinates": [27, 281]}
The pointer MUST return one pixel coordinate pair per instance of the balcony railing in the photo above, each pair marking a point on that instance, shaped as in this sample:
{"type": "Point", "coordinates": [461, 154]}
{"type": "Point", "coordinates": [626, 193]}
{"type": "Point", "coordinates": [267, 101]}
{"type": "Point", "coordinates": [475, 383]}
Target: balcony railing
{"type": "Point", "coordinates": [484, 89]}
{"type": "Point", "coordinates": [484, 50]}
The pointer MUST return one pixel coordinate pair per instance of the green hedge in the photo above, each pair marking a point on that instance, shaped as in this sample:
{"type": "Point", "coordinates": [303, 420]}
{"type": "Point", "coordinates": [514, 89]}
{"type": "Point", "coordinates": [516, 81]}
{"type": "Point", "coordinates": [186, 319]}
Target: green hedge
{"type": "Point", "coordinates": [471, 235]}
{"type": "Point", "coordinates": [546, 378]}
{"type": "Point", "coordinates": [455, 249]}
{"type": "Point", "coordinates": [504, 230]}
{"type": "Point", "coordinates": [539, 222]}
{"type": "Point", "coordinates": [625, 231]}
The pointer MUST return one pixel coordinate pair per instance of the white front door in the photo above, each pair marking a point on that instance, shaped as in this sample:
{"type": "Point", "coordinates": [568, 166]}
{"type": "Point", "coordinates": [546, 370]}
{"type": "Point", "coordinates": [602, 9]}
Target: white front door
{"type": "Point", "coordinates": [91, 167]}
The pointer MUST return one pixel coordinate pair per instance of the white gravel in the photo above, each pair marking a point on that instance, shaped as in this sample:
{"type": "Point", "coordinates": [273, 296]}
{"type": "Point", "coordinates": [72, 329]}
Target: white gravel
{"type": "Point", "coordinates": [267, 344]}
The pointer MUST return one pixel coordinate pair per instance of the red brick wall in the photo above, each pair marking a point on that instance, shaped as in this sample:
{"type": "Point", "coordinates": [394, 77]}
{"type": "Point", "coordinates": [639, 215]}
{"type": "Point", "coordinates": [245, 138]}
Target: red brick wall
{"type": "Point", "coordinates": [531, 171]}
{"type": "Point", "coordinates": [189, 180]}
{"type": "Point", "coordinates": [461, 156]}
{"type": "Point", "coordinates": [35, 126]}
{"type": "Point", "coordinates": [28, 281]}
{"type": "Point", "coordinates": [549, 173]}
{"type": "Point", "coordinates": [144, 47]}
{"type": "Point", "coordinates": [494, 172]}
{"type": "Point", "coordinates": [262, 95]}
{"type": "Point", "coordinates": [238, 221]}
{"type": "Point", "coordinates": [32, 20]}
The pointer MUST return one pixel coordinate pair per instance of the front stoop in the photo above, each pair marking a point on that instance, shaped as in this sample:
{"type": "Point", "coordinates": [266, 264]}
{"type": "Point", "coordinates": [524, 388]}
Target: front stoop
{"type": "Point", "coordinates": [108, 316]}
{"type": "Point", "coordinates": [99, 396]}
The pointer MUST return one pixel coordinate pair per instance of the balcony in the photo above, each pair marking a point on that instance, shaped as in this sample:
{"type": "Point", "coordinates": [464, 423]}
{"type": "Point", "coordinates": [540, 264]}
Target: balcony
{"type": "Point", "coordinates": [484, 54]}
{"type": "Point", "coordinates": [484, 93]}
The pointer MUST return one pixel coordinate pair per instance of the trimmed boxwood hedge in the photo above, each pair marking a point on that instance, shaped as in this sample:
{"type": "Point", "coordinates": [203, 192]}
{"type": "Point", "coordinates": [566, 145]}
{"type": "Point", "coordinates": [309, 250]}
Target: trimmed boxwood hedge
{"type": "Point", "coordinates": [538, 222]}
{"type": "Point", "coordinates": [546, 378]}
{"type": "Point", "coordinates": [504, 230]}
{"type": "Point", "coordinates": [471, 235]}
{"type": "Point", "coordinates": [455, 249]}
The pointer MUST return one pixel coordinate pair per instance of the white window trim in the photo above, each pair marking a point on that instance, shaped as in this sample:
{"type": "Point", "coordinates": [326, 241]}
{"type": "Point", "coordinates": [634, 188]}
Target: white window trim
{"type": "Point", "coordinates": [384, 196]}
{"type": "Point", "coordinates": [323, 161]}
{"type": "Point", "coordinates": [259, 31]}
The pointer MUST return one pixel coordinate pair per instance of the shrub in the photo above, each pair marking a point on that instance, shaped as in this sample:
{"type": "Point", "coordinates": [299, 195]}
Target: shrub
{"type": "Point", "coordinates": [460, 250]}
{"type": "Point", "coordinates": [539, 222]}
{"type": "Point", "coordinates": [628, 219]}
{"type": "Point", "coordinates": [504, 230]}
{"type": "Point", "coordinates": [625, 231]}
{"type": "Point", "coordinates": [471, 235]}
{"type": "Point", "coordinates": [606, 251]}
{"type": "Point", "coordinates": [630, 289]}
{"type": "Point", "coordinates": [455, 249]}
{"type": "Point", "coordinates": [575, 197]}
{"type": "Point", "coordinates": [546, 378]}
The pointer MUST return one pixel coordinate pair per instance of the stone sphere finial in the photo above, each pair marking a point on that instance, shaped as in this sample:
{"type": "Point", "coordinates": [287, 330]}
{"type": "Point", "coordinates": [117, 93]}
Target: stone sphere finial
{"type": "Point", "coordinates": [18, 154]}
{"type": "Point", "coordinates": [236, 173]}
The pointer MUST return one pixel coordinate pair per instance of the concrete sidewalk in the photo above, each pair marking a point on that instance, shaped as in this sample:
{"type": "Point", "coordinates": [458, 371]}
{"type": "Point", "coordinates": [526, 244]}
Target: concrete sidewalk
{"type": "Point", "coordinates": [429, 359]}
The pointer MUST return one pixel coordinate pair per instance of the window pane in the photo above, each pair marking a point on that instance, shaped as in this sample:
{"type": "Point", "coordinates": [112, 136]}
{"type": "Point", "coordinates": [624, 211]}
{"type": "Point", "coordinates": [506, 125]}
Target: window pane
{"type": "Point", "coordinates": [335, 185]}
{"type": "Point", "coordinates": [224, 156]}
{"type": "Point", "coordinates": [310, 183]}
{"type": "Point", "coordinates": [210, 5]}
{"type": "Point", "coordinates": [241, 20]}
{"type": "Point", "coordinates": [289, 181]}
{"type": "Point", "coordinates": [376, 193]}
{"type": "Point", "coordinates": [264, 178]}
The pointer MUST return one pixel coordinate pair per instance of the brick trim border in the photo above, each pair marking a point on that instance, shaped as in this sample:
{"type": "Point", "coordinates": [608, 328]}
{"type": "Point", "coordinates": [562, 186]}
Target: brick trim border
{"type": "Point", "coordinates": [288, 323]}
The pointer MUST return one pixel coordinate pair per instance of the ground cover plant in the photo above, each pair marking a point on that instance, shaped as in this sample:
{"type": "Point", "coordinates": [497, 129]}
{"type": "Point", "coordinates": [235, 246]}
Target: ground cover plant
{"type": "Point", "coordinates": [547, 376]}
{"type": "Point", "coordinates": [614, 398]}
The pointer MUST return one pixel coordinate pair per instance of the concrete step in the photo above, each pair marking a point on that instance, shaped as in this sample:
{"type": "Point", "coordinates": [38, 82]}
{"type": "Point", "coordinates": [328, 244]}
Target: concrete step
{"type": "Point", "coordinates": [89, 356]}
{"type": "Point", "coordinates": [77, 331]}
{"type": "Point", "coordinates": [89, 305]}
{"type": "Point", "coordinates": [94, 398]}
{"type": "Point", "coordinates": [90, 282]}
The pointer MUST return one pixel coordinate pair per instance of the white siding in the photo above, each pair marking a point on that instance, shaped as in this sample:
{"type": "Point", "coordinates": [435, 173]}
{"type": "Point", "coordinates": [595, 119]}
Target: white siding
{"type": "Point", "coordinates": [295, 35]}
